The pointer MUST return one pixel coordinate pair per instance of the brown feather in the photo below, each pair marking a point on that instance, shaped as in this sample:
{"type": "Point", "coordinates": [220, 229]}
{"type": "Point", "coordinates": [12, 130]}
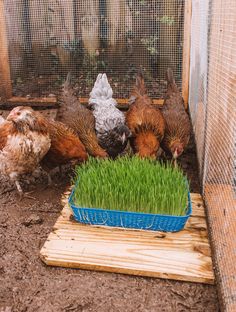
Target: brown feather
{"type": "Point", "coordinates": [178, 126]}
{"type": "Point", "coordinates": [80, 119]}
{"type": "Point", "coordinates": [65, 146]}
{"type": "Point", "coordinates": [6, 128]}
{"type": "Point", "coordinates": [145, 122]}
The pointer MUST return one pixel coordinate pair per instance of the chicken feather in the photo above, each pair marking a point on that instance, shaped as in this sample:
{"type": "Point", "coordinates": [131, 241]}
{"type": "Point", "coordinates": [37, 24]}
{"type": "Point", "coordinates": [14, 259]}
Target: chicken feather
{"type": "Point", "coordinates": [66, 147]}
{"type": "Point", "coordinates": [24, 140]}
{"type": "Point", "coordinates": [145, 122]}
{"type": "Point", "coordinates": [110, 125]}
{"type": "Point", "coordinates": [80, 119]}
{"type": "Point", "coordinates": [178, 126]}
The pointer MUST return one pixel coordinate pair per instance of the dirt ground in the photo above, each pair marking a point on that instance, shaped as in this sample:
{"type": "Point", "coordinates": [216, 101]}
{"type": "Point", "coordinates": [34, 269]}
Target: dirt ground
{"type": "Point", "coordinates": [26, 284]}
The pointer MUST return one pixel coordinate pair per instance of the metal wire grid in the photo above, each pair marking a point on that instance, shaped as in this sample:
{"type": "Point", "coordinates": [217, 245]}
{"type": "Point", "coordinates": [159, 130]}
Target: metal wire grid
{"type": "Point", "coordinates": [198, 75]}
{"type": "Point", "coordinates": [48, 38]}
{"type": "Point", "coordinates": [213, 111]}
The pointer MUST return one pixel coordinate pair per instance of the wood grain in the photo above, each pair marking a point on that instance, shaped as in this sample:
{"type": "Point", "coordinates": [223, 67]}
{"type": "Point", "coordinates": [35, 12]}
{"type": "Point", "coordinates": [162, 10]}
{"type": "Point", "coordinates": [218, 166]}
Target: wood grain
{"type": "Point", "coordinates": [184, 256]}
{"type": "Point", "coordinates": [124, 102]}
{"type": "Point", "coordinates": [43, 102]}
{"type": "Point", "coordinates": [46, 102]}
{"type": "Point", "coordinates": [186, 51]}
{"type": "Point", "coordinates": [5, 78]}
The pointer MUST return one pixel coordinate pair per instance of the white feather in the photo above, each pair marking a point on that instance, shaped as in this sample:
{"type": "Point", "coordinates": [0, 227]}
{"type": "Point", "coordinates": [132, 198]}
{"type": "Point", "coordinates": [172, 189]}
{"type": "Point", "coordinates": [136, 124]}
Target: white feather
{"type": "Point", "coordinates": [1, 120]}
{"type": "Point", "coordinates": [106, 114]}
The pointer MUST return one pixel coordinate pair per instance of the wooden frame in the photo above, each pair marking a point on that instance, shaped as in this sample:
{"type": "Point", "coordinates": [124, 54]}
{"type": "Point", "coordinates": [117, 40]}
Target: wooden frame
{"type": "Point", "coordinates": [6, 86]}
{"type": "Point", "coordinates": [186, 51]}
{"type": "Point", "coordinates": [184, 256]}
{"type": "Point", "coordinates": [5, 77]}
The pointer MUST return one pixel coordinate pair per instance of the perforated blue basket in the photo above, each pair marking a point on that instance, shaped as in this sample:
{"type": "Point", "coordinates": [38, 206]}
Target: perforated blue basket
{"type": "Point", "coordinates": [133, 220]}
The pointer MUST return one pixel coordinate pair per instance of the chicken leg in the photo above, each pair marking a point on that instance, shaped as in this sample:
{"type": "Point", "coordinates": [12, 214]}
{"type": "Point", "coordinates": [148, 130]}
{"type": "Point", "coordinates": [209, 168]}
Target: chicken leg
{"type": "Point", "coordinates": [21, 193]}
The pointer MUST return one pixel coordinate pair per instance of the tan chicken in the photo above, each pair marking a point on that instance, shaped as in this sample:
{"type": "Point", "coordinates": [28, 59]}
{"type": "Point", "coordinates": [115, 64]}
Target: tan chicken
{"type": "Point", "coordinates": [66, 147]}
{"type": "Point", "coordinates": [24, 140]}
{"type": "Point", "coordinates": [178, 126]}
{"type": "Point", "coordinates": [80, 119]}
{"type": "Point", "coordinates": [145, 122]}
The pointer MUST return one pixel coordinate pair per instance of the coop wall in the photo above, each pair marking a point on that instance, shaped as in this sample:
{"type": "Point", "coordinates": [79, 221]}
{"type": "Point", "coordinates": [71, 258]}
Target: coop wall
{"type": "Point", "coordinates": [212, 104]}
{"type": "Point", "coordinates": [48, 38]}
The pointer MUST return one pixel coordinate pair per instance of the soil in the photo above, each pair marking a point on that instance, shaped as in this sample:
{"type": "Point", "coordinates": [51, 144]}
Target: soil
{"type": "Point", "coordinates": [51, 85]}
{"type": "Point", "coordinates": [27, 284]}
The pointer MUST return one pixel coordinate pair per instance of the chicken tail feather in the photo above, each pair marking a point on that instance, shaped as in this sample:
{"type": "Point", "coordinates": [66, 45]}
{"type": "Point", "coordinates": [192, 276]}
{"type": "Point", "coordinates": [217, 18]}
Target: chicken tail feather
{"type": "Point", "coordinates": [101, 90]}
{"type": "Point", "coordinates": [171, 85]}
{"type": "Point", "coordinates": [170, 76]}
{"type": "Point", "coordinates": [140, 84]}
{"type": "Point", "coordinates": [68, 80]}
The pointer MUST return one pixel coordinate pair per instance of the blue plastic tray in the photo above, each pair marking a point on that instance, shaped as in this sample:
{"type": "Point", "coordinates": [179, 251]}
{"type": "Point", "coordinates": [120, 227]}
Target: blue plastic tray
{"type": "Point", "coordinates": [133, 220]}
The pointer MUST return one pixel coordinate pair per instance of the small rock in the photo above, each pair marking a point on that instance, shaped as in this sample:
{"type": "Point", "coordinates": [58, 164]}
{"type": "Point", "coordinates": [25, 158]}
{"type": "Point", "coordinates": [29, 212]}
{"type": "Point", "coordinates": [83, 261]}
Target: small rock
{"type": "Point", "coordinates": [33, 219]}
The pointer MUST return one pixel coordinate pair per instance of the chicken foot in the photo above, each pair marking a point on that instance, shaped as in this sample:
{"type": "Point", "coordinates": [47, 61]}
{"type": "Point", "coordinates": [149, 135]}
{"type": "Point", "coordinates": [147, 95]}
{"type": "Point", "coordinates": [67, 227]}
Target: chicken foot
{"type": "Point", "coordinates": [21, 193]}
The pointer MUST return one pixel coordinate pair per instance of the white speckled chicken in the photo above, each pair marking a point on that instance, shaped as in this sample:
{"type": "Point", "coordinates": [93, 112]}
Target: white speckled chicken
{"type": "Point", "coordinates": [110, 125]}
{"type": "Point", "coordinates": [24, 140]}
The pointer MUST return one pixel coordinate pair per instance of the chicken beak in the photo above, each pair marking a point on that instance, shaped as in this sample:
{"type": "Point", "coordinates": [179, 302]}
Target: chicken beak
{"type": "Point", "coordinates": [123, 138]}
{"type": "Point", "coordinates": [11, 116]}
{"type": "Point", "coordinates": [175, 155]}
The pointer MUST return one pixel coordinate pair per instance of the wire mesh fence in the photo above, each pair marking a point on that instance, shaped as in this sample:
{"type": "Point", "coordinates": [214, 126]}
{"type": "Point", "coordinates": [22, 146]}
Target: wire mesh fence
{"type": "Point", "coordinates": [213, 111]}
{"type": "Point", "coordinates": [48, 38]}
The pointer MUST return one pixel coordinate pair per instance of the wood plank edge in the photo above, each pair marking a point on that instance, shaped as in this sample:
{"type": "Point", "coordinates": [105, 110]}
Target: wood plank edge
{"type": "Point", "coordinates": [127, 271]}
{"type": "Point", "coordinates": [53, 102]}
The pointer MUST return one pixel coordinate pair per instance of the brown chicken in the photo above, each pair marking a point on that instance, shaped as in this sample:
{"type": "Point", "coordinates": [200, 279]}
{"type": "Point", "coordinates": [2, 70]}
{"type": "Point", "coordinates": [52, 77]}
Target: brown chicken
{"type": "Point", "coordinates": [66, 147]}
{"type": "Point", "coordinates": [145, 122]}
{"type": "Point", "coordinates": [178, 127]}
{"type": "Point", "coordinates": [80, 119]}
{"type": "Point", "coordinates": [24, 140]}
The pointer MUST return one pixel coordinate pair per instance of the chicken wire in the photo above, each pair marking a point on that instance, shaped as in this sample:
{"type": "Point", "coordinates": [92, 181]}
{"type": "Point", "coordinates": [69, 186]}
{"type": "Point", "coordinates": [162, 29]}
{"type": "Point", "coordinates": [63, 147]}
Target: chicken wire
{"type": "Point", "coordinates": [212, 100]}
{"type": "Point", "coordinates": [48, 38]}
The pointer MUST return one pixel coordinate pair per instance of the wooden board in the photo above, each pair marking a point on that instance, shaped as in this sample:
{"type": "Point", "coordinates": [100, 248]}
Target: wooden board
{"type": "Point", "coordinates": [125, 101]}
{"type": "Point", "coordinates": [43, 102]}
{"type": "Point", "coordinates": [184, 256]}
{"type": "Point", "coordinates": [186, 51]}
{"type": "Point", "coordinates": [46, 102]}
{"type": "Point", "coordinates": [5, 78]}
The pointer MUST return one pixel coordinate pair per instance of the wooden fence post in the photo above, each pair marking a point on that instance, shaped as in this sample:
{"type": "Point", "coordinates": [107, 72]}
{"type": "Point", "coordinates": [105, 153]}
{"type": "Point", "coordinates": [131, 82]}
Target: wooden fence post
{"type": "Point", "coordinates": [5, 77]}
{"type": "Point", "coordinates": [186, 51]}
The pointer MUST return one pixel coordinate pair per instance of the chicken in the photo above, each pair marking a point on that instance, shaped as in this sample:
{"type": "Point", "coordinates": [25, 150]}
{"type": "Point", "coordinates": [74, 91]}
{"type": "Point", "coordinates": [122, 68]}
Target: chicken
{"type": "Point", "coordinates": [178, 127]}
{"type": "Point", "coordinates": [145, 122]}
{"type": "Point", "coordinates": [110, 125]}
{"type": "Point", "coordinates": [66, 147]}
{"type": "Point", "coordinates": [80, 119]}
{"type": "Point", "coordinates": [1, 120]}
{"type": "Point", "coordinates": [24, 140]}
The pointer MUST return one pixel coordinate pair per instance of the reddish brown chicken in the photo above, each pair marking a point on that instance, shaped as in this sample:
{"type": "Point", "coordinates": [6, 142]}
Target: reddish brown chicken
{"type": "Point", "coordinates": [66, 147]}
{"type": "Point", "coordinates": [80, 119]}
{"type": "Point", "coordinates": [145, 122]}
{"type": "Point", "coordinates": [24, 140]}
{"type": "Point", "coordinates": [178, 127]}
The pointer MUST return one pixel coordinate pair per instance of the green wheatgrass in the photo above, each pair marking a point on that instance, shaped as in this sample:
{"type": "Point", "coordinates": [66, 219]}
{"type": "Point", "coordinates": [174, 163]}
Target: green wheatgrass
{"type": "Point", "coordinates": [131, 184]}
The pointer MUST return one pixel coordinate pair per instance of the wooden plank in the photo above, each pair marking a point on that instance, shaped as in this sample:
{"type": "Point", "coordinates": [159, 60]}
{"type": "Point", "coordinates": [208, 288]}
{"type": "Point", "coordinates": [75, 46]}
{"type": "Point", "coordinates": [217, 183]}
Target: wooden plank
{"type": "Point", "coordinates": [5, 77]}
{"type": "Point", "coordinates": [124, 102]}
{"type": "Point", "coordinates": [33, 102]}
{"type": "Point", "coordinates": [52, 102]}
{"type": "Point", "coordinates": [184, 256]}
{"type": "Point", "coordinates": [186, 51]}
{"type": "Point", "coordinates": [221, 208]}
